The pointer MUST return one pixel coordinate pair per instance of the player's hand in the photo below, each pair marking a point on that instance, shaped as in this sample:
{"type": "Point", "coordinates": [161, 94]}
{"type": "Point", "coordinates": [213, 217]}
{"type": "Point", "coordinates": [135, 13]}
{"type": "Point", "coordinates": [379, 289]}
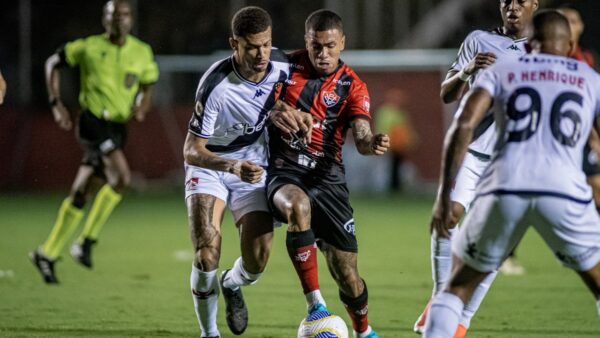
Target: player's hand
{"type": "Point", "coordinates": [291, 120]}
{"type": "Point", "coordinates": [247, 171]}
{"type": "Point", "coordinates": [481, 61]}
{"type": "Point", "coordinates": [380, 144]}
{"type": "Point", "coordinates": [62, 116]}
{"type": "Point", "coordinates": [441, 218]}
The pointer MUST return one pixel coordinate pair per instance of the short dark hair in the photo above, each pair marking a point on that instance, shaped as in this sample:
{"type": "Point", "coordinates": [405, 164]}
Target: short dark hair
{"type": "Point", "coordinates": [322, 20]}
{"type": "Point", "coordinates": [544, 19]}
{"type": "Point", "coordinates": [250, 20]}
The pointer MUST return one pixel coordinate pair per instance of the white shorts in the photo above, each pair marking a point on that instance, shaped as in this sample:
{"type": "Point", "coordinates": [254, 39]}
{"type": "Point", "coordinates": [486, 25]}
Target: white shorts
{"type": "Point", "coordinates": [467, 178]}
{"type": "Point", "coordinates": [496, 224]}
{"type": "Point", "coordinates": [241, 197]}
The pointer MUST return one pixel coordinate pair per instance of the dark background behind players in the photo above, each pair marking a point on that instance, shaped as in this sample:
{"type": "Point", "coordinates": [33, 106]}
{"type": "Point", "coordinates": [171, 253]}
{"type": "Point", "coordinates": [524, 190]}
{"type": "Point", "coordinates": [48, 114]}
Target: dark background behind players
{"type": "Point", "coordinates": [31, 29]}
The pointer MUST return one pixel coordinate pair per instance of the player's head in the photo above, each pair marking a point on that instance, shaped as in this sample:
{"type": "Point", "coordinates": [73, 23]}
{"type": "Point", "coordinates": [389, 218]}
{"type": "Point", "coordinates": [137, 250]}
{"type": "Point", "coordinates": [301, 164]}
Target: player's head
{"type": "Point", "coordinates": [324, 37]}
{"type": "Point", "coordinates": [575, 21]}
{"type": "Point", "coordinates": [251, 38]}
{"type": "Point", "coordinates": [551, 33]}
{"type": "Point", "coordinates": [516, 15]}
{"type": "Point", "coordinates": [117, 18]}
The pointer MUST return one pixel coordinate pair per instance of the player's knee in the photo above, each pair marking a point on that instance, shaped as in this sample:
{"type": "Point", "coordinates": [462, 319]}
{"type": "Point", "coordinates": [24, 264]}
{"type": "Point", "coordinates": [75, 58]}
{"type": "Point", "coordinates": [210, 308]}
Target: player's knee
{"type": "Point", "coordinates": [207, 258]}
{"type": "Point", "coordinates": [297, 213]}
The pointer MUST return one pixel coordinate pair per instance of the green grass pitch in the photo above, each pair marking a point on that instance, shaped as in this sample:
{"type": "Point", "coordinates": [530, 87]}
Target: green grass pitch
{"type": "Point", "coordinates": [139, 286]}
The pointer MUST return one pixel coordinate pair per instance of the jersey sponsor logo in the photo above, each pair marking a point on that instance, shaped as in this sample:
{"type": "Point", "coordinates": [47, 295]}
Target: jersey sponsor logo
{"type": "Point", "coordinates": [514, 47]}
{"type": "Point", "coordinates": [296, 66]}
{"type": "Point", "coordinates": [349, 227]}
{"type": "Point", "coordinates": [330, 98]}
{"type": "Point", "coordinates": [342, 83]}
{"type": "Point", "coordinates": [290, 82]}
{"type": "Point", "coordinates": [203, 295]}
{"type": "Point", "coordinates": [302, 257]}
{"type": "Point", "coordinates": [246, 128]}
{"type": "Point", "coordinates": [259, 92]}
{"type": "Point", "coordinates": [306, 161]}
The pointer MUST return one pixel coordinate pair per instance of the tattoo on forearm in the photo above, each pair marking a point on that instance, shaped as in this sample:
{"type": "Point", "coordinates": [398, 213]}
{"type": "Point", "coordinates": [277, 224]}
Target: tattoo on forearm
{"type": "Point", "coordinates": [362, 131]}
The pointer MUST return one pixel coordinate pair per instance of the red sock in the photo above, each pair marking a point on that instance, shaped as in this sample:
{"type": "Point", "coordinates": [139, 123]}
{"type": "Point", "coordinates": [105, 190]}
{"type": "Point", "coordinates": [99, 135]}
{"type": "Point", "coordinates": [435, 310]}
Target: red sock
{"type": "Point", "coordinates": [358, 310]}
{"type": "Point", "coordinates": [303, 252]}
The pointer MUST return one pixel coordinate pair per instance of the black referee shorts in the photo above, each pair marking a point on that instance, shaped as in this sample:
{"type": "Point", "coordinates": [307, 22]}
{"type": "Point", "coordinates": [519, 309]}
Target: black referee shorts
{"type": "Point", "coordinates": [99, 137]}
{"type": "Point", "coordinates": [332, 216]}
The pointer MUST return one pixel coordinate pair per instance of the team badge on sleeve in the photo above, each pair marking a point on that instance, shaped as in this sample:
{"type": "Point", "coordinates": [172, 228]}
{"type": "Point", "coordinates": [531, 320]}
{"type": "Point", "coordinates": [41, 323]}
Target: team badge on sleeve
{"type": "Point", "coordinates": [330, 98]}
{"type": "Point", "coordinates": [366, 103]}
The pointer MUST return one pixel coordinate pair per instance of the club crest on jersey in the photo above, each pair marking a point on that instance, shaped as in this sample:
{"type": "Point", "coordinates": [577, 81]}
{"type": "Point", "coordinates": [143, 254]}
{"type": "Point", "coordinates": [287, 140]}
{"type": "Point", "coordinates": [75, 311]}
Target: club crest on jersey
{"type": "Point", "coordinates": [330, 99]}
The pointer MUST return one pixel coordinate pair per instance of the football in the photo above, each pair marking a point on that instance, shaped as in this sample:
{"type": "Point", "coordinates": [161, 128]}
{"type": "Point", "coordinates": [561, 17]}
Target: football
{"type": "Point", "coordinates": [322, 324]}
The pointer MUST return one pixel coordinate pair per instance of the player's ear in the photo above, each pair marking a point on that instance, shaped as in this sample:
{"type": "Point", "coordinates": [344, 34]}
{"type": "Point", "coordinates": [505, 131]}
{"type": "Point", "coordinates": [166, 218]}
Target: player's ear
{"type": "Point", "coordinates": [343, 42]}
{"type": "Point", "coordinates": [233, 43]}
{"type": "Point", "coordinates": [571, 47]}
{"type": "Point", "coordinates": [536, 5]}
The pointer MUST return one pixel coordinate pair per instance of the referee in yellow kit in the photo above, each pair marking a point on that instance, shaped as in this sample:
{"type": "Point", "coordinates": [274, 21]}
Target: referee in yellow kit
{"type": "Point", "coordinates": [117, 71]}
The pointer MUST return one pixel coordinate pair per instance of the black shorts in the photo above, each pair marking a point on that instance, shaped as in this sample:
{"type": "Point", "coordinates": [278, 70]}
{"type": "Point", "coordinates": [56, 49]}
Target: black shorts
{"type": "Point", "coordinates": [591, 166]}
{"type": "Point", "coordinates": [332, 216]}
{"type": "Point", "coordinates": [98, 138]}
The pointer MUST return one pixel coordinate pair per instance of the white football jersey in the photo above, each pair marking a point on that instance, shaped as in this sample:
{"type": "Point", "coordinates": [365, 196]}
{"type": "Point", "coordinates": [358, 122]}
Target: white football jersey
{"type": "Point", "coordinates": [503, 47]}
{"type": "Point", "coordinates": [231, 112]}
{"type": "Point", "coordinates": [545, 106]}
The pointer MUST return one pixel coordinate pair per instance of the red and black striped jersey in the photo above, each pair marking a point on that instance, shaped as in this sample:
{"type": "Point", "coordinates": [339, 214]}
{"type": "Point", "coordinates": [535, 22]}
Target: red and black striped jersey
{"type": "Point", "coordinates": [334, 101]}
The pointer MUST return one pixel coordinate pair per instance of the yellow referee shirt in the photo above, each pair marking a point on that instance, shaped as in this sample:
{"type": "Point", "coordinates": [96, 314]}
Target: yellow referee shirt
{"type": "Point", "coordinates": [111, 74]}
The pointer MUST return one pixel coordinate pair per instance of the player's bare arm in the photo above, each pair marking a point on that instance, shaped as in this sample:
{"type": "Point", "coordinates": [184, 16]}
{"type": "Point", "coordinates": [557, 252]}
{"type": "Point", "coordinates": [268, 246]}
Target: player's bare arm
{"type": "Point", "coordinates": [457, 82]}
{"type": "Point", "coordinates": [366, 142]}
{"type": "Point", "coordinates": [2, 89]}
{"type": "Point", "coordinates": [61, 115]}
{"type": "Point", "coordinates": [291, 120]}
{"type": "Point", "coordinates": [457, 140]}
{"type": "Point", "coordinates": [196, 154]}
{"type": "Point", "coordinates": [143, 102]}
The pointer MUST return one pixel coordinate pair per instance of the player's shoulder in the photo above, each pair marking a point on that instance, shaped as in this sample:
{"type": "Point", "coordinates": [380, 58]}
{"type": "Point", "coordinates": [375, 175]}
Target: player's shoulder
{"type": "Point", "coordinates": [350, 73]}
{"type": "Point", "coordinates": [477, 35]}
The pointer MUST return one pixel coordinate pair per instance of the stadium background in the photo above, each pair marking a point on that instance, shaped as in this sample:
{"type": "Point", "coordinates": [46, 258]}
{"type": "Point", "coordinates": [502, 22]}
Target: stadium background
{"type": "Point", "coordinates": [139, 287]}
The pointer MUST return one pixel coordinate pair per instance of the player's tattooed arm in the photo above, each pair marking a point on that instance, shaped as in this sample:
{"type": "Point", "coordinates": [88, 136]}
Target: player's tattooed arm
{"type": "Point", "coordinates": [366, 142]}
{"type": "Point", "coordinates": [196, 154]}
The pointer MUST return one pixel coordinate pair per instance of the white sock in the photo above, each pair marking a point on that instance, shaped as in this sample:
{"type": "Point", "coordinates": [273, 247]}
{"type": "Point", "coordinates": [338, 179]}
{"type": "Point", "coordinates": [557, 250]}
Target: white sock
{"type": "Point", "coordinates": [314, 297]}
{"type": "Point", "coordinates": [443, 316]}
{"type": "Point", "coordinates": [475, 301]}
{"type": "Point", "coordinates": [205, 293]}
{"type": "Point", "coordinates": [363, 334]}
{"type": "Point", "coordinates": [598, 306]}
{"type": "Point", "coordinates": [441, 260]}
{"type": "Point", "coordinates": [238, 276]}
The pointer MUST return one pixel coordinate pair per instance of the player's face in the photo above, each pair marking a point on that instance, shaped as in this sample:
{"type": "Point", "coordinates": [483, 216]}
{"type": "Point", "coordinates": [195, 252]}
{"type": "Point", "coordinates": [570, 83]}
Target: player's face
{"type": "Point", "coordinates": [117, 18]}
{"type": "Point", "coordinates": [575, 22]}
{"type": "Point", "coordinates": [516, 14]}
{"type": "Point", "coordinates": [324, 49]}
{"type": "Point", "coordinates": [252, 52]}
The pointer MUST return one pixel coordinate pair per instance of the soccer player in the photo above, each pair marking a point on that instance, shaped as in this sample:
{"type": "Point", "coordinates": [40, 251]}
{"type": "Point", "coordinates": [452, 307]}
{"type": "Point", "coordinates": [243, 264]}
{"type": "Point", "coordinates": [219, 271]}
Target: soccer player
{"type": "Point", "coordinates": [306, 183]}
{"type": "Point", "coordinates": [545, 106]}
{"type": "Point", "coordinates": [479, 50]}
{"type": "Point", "coordinates": [225, 155]}
{"type": "Point", "coordinates": [116, 68]}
